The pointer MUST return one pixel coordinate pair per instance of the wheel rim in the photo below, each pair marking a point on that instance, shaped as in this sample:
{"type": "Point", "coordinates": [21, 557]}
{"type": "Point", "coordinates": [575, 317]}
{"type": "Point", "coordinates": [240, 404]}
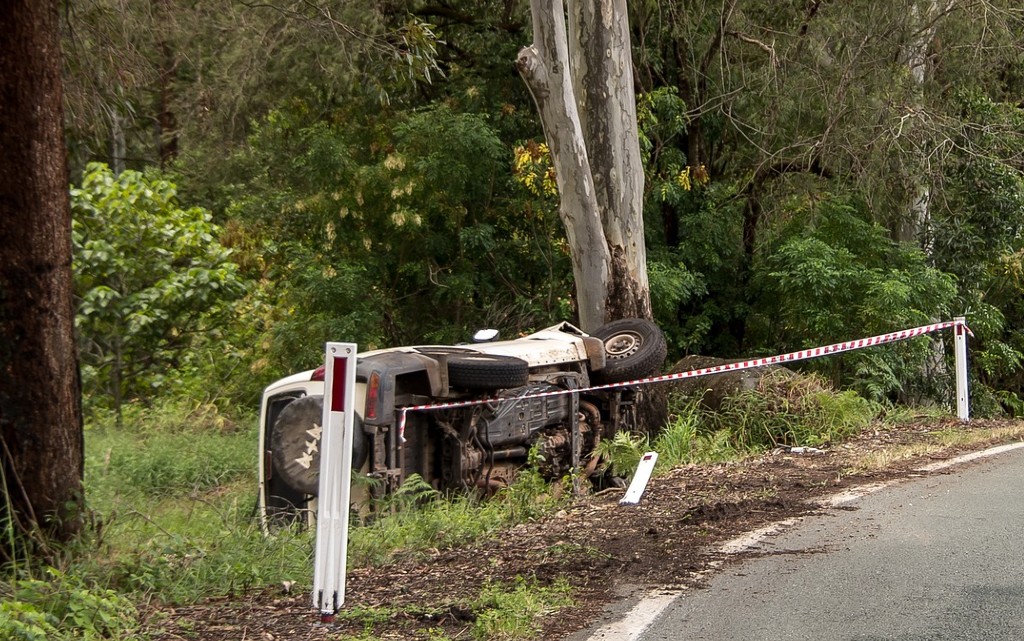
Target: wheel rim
{"type": "Point", "coordinates": [622, 345]}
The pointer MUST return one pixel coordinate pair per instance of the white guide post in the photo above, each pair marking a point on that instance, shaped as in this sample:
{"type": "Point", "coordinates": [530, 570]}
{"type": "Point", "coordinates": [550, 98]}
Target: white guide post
{"type": "Point", "coordinates": [640, 478]}
{"type": "Point", "coordinates": [335, 480]}
{"type": "Point", "coordinates": [963, 403]}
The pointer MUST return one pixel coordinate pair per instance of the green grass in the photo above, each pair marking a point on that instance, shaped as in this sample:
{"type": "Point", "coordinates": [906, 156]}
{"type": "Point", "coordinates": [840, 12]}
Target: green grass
{"type": "Point", "coordinates": [172, 498]}
{"type": "Point", "coordinates": [513, 611]}
{"type": "Point", "coordinates": [796, 410]}
{"type": "Point", "coordinates": [501, 612]}
{"type": "Point", "coordinates": [417, 518]}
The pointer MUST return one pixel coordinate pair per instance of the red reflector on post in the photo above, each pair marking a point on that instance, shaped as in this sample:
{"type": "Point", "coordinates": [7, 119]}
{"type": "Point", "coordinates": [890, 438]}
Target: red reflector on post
{"type": "Point", "coordinates": [338, 384]}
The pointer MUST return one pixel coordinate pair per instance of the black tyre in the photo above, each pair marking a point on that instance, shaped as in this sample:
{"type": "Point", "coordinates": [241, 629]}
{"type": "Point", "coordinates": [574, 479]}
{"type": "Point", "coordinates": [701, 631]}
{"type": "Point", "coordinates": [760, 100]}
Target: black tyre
{"type": "Point", "coordinates": [487, 371]}
{"type": "Point", "coordinates": [634, 348]}
{"type": "Point", "coordinates": [295, 444]}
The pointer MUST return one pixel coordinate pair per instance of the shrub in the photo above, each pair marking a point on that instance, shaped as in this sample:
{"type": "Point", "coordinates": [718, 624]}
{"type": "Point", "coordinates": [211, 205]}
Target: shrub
{"type": "Point", "coordinates": [63, 607]}
{"type": "Point", "coordinates": [787, 410]}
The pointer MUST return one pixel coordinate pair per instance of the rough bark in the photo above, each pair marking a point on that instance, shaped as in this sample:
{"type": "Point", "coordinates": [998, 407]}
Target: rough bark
{"type": "Point", "coordinates": [544, 66]}
{"type": "Point", "coordinates": [40, 410]}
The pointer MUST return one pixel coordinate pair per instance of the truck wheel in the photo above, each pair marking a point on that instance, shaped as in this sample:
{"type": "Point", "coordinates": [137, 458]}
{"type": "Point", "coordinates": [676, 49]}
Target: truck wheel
{"type": "Point", "coordinates": [295, 443]}
{"type": "Point", "coordinates": [634, 348]}
{"type": "Point", "coordinates": [487, 371]}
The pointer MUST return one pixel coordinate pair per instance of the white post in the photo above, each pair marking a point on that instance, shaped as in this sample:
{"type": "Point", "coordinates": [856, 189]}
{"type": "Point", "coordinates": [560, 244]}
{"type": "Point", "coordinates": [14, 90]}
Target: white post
{"type": "Point", "coordinates": [963, 404]}
{"type": "Point", "coordinates": [640, 478]}
{"type": "Point", "coordinates": [335, 480]}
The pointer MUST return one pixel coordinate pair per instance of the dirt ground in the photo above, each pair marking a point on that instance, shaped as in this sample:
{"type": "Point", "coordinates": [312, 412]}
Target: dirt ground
{"type": "Point", "coordinates": [604, 550]}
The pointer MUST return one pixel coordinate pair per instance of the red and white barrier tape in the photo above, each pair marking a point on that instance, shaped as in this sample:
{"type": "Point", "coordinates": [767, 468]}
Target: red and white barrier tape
{"type": "Point", "coordinates": [802, 355]}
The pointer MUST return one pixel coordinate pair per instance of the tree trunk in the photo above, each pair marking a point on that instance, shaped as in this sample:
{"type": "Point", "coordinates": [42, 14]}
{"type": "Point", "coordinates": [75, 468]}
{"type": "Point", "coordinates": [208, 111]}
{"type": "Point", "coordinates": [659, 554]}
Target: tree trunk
{"type": "Point", "coordinates": [916, 222]}
{"type": "Point", "coordinates": [40, 399]}
{"type": "Point", "coordinates": [167, 122]}
{"type": "Point", "coordinates": [587, 107]}
{"type": "Point", "coordinates": [544, 66]}
{"type": "Point", "coordinates": [118, 143]}
{"type": "Point", "coordinates": [602, 76]}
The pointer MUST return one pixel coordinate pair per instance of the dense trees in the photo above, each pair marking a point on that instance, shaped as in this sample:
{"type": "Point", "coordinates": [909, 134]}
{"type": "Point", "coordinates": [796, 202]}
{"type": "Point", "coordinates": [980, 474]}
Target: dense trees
{"type": "Point", "coordinates": [811, 169]}
{"type": "Point", "coordinates": [149, 277]}
{"type": "Point", "coordinates": [41, 455]}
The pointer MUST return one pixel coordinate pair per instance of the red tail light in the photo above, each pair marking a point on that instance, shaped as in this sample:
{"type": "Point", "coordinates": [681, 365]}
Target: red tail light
{"type": "Point", "coordinates": [319, 373]}
{"type": "Point", "coordinates": [372, 393]}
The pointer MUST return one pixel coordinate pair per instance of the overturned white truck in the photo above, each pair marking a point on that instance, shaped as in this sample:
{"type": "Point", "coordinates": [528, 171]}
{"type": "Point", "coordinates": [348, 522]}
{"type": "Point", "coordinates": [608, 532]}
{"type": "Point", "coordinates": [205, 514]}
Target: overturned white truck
{"type": "Point", "coordinates": [466, 447]}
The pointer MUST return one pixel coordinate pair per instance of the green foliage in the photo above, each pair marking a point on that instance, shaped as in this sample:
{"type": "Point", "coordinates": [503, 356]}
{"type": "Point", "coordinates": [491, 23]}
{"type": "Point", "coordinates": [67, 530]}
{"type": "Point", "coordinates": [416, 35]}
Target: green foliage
{"type": "Point", "coordinates": [416, 519]}
{"type": "Point", "coordinates": [63, 607]}
{"type": "Point", "coordinates": [978, 236]}
{"type": "Point", "coordinates": [783, 410]}
{"type": "Point", "coordinates": [797, 412]}
{"type": "Point", "coordinates": [362, 164]}
{"type": "Point", "coordinates": [622, 453]}
{"type": "Point", "coordinates": [149, 275]}
{"type": "Point", "coordinates": [512, 612]}
{"type": "Point", "coordinates": [362, 229]}
{"type": "Point", "coordinates": [839, 277]}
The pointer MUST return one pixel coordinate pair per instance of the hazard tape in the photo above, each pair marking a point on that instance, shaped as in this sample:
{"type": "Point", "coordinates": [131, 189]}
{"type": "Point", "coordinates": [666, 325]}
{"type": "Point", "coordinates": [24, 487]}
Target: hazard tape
{"type": "Point", "coordinates": [791, 357]}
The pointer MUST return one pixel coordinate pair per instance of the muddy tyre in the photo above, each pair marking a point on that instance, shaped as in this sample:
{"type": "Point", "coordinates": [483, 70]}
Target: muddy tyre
{"type": "Point", "coordinates": [487, 371]}
{"type": "Point", "coordinates": [634, 348]}
{"type": "Point", "coordinates": [296, 439]}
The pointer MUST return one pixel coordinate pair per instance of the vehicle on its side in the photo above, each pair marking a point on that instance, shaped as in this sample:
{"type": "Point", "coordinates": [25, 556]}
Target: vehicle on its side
{"type": "Point", "coordinates": [531, 385]}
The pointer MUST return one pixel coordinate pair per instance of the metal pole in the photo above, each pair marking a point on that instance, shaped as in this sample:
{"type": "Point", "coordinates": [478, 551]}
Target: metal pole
{"type": "Point", "coordinates": [963, 403]}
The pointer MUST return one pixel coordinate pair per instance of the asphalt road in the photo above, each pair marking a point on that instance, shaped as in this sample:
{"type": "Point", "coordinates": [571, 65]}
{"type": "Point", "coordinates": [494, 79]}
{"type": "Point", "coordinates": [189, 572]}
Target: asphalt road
{"type": "Point", "coordinates": [937, 557]}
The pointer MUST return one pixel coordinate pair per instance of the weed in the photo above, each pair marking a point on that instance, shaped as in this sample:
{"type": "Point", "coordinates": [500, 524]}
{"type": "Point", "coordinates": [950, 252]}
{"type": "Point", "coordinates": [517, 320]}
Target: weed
{"type": "Point", "coordinates": [788, 410]}
{"type": "Point", "coordinates": [895, 415]}
{"type": "Point", "coordinates": [622, 453]}
{"type": "Point", "coordinates": [63, 607]}
{"type": "Point", "coordinates": [423, 523]}
{"type": "Point", "coordinates": [783, 410]}
{"type": "Point", "coordinates": [368, 617]}
{"type": "Point", "coordinates": [574, 550]}
{"type": "Point", "coordinates": [512, 612]}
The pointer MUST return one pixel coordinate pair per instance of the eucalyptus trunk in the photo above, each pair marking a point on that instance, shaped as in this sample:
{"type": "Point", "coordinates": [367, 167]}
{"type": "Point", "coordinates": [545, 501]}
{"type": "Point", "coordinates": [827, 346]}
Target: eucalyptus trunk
{"type": "Point", "coordinates": [581, 79]}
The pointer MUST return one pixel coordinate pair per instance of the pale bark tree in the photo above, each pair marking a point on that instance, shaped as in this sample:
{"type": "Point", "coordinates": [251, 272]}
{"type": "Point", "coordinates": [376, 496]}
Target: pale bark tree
{"type": "Point", "coordinates": [40, 402]}
{"type": "Point", "coordinates": [581, 78]}
{"type": "Point", "coordinates": [924, 21]}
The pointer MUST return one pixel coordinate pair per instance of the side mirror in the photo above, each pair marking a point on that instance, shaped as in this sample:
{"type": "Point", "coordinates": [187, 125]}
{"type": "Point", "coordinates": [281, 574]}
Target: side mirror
{"type": "Point", "coordinates": [485, 336]}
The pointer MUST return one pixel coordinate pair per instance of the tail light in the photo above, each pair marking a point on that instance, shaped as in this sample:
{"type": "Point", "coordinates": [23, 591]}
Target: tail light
{"type": "Point", "coordinates": [319, 373]}
{"type": "Point", "coordinates": [372, 394]}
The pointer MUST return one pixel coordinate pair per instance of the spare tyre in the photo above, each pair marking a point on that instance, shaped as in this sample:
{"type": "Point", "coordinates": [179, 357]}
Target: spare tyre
{"type": "Point", "coordinates": [634, 348]}
{"type": "Point", "coordinates": [295, 443]}
{"type": "Point", "coordinates": [487, 371]}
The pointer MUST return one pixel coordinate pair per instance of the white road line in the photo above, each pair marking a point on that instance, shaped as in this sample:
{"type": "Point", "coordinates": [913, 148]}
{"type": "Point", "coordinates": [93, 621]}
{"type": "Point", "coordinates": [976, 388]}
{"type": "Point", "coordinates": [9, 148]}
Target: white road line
{"type": "Point", "coordinates": [849, 496]}
{"type": "Point", "coordinates": [967, 458]}
{"type": "Point", "coordinates": [637, 620]}
{"type": "Point", "coordinates": [752, 539]}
